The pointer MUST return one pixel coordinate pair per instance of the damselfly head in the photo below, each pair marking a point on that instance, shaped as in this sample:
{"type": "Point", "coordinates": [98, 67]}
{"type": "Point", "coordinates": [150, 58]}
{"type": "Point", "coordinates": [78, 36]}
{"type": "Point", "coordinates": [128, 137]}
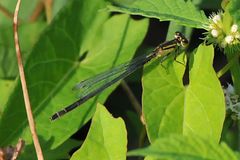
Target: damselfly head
{"type": "Point", "coordinates": [181, 39]}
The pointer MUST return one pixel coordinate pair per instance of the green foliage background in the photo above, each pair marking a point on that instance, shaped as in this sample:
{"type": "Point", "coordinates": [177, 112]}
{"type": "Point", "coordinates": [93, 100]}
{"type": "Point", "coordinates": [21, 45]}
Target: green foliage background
{"type": "Point", "coordinates": [177, 117]}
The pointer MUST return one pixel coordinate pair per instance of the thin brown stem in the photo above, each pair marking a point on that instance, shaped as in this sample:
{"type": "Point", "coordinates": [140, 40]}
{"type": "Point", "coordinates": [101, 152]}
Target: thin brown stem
{"type": "Point", "coordinates": [227, 66]}
{"type": "Point", "coordinates": [133, 99]}
{"type": "Point", "coordinates": [6, 12]}
{"type": "Point", "coordinates": [36, 12]}
{"type": "Point", "coordinates": [18, 149]}
{"type": "Point", "coordinates": [12, 152]}
{"type": "Point", "coordinates": [142, 137]}
{"type": "Point", "coordinates": [24, 85]}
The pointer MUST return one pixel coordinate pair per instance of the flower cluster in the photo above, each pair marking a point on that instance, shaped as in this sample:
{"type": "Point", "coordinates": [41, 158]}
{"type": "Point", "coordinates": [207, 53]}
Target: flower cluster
{"type": "Point", "coordinates": [221, 35]}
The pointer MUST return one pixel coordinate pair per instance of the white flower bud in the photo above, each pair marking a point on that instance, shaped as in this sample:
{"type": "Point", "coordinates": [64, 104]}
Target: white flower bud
{"type": "Point", "coordinates": [229, 39]}
{"type": "Point", "coordinates": [234, 28]}
{"type": "Point", "coordinates": [214, 33]}
{"type": "Point", "coordinates": [216, 18]}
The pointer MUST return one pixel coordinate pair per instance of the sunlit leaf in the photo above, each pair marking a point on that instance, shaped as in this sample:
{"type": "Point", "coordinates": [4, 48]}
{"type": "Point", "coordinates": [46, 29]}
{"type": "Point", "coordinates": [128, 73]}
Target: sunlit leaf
{"type": "Point", "coordinates": [163, 97]}
{"type": "Point", "coordinates": [53, 68]}
{"type": "Point", "coordinates": [169, 108]}
{"type": "Point", "coordinates": [204, 109]}
{"type": "Point", "coordinates": [107, 138]}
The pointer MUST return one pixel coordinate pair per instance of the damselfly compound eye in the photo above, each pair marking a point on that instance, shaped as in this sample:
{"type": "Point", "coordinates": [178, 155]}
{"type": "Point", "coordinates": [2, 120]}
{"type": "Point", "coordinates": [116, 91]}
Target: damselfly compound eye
{"type": "Point", "coordinates": [184, 42]}
{"type": "Point", "coordinates": [181, 39]}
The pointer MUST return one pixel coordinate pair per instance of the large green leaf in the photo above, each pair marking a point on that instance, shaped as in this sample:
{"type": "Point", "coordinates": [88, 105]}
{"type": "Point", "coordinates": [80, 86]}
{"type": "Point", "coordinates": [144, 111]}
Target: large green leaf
{"type": "Point", "coordinates": [106, 140]}
{"type": "Point", "coordinates": [170, 108]}
{"type": "Point", "coordinates": [163, 97]}
{"type": "Point", "coordinates": [204, 109]}
{"type": "Point", "coordinates": [186, 148]}
{"type": "Point", "coordinates": [53, 69]}
{"type": "Point", "coordinates": [183, 13]}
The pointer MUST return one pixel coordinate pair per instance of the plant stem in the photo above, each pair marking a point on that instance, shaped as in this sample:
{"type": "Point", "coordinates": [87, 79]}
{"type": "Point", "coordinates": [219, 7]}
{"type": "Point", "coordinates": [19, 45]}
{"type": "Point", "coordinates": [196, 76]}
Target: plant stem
{"type": "Point", "coordinates": [36, 11]}
{"type": "Point", "coordinates": [235, 68]}
{"type": "Point", "coordinates": [227, 67]}
{"type": "Point", "coordinates": [136, 105]}
{"type": "Point", "coordinates": [24, 85]}
{"type": "Point", "coordinates": [18, 149]}
{"type": "Point", "coordinates": [6, 12]}
{"type": "Point", "coordinates": [142, 137]}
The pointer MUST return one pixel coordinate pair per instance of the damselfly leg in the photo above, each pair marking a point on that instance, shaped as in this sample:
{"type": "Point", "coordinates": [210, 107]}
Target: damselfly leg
{"type": "Point", "coordinates": [92, 86]}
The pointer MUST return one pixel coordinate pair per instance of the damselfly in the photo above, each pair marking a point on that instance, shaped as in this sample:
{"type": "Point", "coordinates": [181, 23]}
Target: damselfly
{"type": "Point", "coordinates": [92, 86]}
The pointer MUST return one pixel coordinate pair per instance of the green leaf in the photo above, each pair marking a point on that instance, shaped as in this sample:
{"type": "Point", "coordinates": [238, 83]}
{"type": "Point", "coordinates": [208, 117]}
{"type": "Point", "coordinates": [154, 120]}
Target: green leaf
{"type": "Point", "coordinates": [169, 108]}
{"type": "Point", "coordinates": [107, 138]}
{"type": "Point", "coordinates": [53, 68]}
{"type": "Point", "coordinates": [57, 5]}
{"type": "Point", "coordinates": [204, 110]}
{"type": "Point", "coordinates": [186, 148]}
{"type": "Point", "coordinates": [183, 13]}
{"type": "Point", "coordinates": [234, 10]}
{"type": "Point", "coordinates": [163, 97]}
{"type": "Point", "coordinates": [237, 155]}
{"type": "Point", "coordinates": [6, 87]}
{"type": "Point", "coordinates": [28, 35]}
{"type": "Point", "coordinates": [61, 152]}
